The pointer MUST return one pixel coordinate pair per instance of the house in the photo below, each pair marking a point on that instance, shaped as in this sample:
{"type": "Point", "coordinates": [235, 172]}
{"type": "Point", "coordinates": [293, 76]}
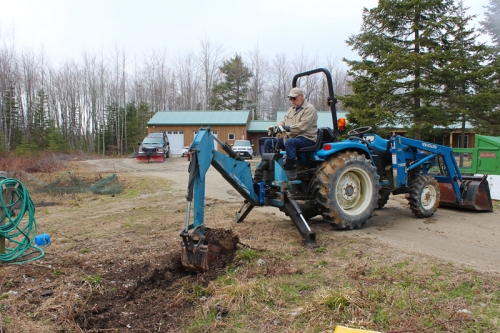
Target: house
{"type": "Point", "coordinates": [182, 126]}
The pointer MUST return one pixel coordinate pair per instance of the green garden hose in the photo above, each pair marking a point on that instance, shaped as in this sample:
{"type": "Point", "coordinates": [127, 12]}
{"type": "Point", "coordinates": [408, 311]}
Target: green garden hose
{"type": "Point", "coordinates": [17, 233]}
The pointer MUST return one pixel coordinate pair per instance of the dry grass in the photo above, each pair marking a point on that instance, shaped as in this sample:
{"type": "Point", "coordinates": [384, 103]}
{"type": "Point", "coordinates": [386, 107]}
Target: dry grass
{"type": "Point", "coordinates": [274, 284]}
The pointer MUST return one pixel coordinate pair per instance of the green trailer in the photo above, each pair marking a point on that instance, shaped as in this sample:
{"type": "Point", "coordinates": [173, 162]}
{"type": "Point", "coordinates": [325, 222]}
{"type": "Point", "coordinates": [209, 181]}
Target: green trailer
{"type": "Point", "coordinates": [484, 158]}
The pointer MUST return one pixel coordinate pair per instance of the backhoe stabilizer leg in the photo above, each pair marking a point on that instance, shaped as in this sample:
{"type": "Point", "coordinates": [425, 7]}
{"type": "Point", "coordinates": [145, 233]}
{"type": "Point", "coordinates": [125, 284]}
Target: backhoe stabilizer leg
{"type": "Point", "coordinates": [243, 212]}
{"type": "Point", "coordinates": [295, 213]}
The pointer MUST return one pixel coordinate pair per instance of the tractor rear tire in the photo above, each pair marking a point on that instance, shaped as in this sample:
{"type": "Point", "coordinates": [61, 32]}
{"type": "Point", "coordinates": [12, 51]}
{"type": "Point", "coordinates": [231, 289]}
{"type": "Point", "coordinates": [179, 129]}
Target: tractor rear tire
{"type": "Point", "coordinates": [384, 197]}
{"type": "Point", "coordinates": [347, 187]}
{"type": "Point", "coordinates": [424, 196]}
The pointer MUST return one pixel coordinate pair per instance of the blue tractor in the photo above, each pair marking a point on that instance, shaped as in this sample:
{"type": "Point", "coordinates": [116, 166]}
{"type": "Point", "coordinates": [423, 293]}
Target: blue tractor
{"type": "Point", "coordinates": [343, 181]}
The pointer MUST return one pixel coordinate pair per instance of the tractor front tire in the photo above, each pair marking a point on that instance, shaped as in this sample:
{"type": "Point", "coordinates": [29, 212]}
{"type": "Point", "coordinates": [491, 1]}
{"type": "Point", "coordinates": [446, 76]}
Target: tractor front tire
{"type": "Point", "coordinates": [424, 196]}
{"type": "Point", "coordinates": [384, 197]}
{"type": "Point", "coordinates": [347, 187]}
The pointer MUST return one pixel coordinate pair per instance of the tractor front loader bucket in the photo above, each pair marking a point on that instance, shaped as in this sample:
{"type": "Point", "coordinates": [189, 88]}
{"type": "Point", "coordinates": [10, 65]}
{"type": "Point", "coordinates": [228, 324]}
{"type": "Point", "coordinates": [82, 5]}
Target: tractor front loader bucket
{"type": "Point", "coordinates": [475, 194]}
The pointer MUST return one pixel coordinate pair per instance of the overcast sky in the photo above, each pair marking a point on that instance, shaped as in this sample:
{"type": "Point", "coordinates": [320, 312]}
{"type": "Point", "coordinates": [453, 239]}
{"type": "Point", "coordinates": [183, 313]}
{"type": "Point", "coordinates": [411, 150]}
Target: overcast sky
{"type": "Point", "coordinates": [65, 28]}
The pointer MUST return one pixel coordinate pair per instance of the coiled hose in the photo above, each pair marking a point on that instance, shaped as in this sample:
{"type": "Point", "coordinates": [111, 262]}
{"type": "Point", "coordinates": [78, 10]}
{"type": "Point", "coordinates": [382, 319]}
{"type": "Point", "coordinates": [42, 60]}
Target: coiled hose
{"type": "Point", "coordinates": [17, 233]}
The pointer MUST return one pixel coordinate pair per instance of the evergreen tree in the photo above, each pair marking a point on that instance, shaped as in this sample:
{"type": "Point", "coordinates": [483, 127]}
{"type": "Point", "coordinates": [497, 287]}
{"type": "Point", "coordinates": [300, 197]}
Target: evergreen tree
{"type": "Point", "coordinates": [232, 93]}
{"type": "Point", "coordinates": [490, 122]}
{"type": "Point", "coordinates": [134, 131]}
{"type": "Point", "coordinates": [12, 133]}
{"type": "Point", "coordinates": [144, 114]}
{"type": "Point", "coordinates": [55, 140]}
{"type": "Point", "coordinates": [463, 71]}
{"type": "Point", "coordinates": [41, 122]}
{"type": "Point", "coordinates": [112, 126]}
{"type": "Point", "coordinates": [491, 25]}
{"type": "Point", "coordinates": [26, 148]}
{"type": "Point", "coordinates": [393, 83]}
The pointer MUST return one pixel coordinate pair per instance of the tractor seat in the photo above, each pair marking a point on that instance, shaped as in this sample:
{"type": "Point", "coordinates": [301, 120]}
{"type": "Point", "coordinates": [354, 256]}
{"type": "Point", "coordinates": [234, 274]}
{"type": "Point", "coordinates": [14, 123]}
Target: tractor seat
{"type": "Point", "coordinates": [324, 135]}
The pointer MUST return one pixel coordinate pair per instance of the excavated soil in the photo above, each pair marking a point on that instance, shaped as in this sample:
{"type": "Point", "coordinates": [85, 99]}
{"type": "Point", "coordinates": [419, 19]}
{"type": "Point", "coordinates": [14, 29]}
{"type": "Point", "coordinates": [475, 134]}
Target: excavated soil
{"type": "Point", "coordinates": [151, 296]}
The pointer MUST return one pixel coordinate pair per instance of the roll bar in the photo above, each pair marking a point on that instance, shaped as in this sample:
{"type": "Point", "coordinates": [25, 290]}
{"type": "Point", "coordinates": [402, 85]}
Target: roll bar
{"type": "Point", "coordinates": [331, 100]}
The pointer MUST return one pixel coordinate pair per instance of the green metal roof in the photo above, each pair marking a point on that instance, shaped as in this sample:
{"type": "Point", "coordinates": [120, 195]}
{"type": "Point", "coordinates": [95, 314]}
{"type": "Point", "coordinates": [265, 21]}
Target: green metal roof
{"type": "Point", "coordinates": [260, 125]}
{"type": "Point", "coordinates": [200, 118]}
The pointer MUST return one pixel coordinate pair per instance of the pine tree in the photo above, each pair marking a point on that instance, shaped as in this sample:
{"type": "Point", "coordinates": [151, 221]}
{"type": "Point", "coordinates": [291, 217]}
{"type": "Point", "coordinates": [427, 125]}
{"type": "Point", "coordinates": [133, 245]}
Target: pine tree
{"type": "Point", "coordinates": [134, 131]}
{"type": "Point", "coordinates": [463, 72]}
{"type": "Point", "coordinates": [393, 83]}
{"type": "Point", "coordinates": [491, 25]}
{"type": "Point", "coordinates": [41, 122]}
{"type": "Point", "coordinates": [232, 93]}
{"type": "Point", "coordinates": [11, 123]}
{"type": "Point", "coordinates": [490, 122]}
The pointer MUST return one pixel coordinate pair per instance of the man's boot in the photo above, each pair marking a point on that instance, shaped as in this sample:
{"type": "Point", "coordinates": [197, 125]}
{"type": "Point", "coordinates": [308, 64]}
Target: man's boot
{"type": "Point", "coordinates": [289, 167]}
{"type": "Point", "coordinates": [259, 171]}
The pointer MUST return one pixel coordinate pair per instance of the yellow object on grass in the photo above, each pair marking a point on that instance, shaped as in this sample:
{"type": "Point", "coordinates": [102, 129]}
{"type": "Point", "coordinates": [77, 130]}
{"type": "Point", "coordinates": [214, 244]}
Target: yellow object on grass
{"type": "Point", "coordinates": [342, 329]}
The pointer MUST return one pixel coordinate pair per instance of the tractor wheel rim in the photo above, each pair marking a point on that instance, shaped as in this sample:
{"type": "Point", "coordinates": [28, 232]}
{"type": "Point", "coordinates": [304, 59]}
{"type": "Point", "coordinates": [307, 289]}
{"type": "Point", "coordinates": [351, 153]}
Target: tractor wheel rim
{"type": "Point", "coordinates": [428, 197]}
{"type": "Point", "coordinates": [353, 191]}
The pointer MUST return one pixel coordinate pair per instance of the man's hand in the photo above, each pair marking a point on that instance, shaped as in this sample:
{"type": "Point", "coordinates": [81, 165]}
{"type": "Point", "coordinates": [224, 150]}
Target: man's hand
{"type": "Point", "coordinates": [281, 129]}
{"type": "Point", "coordinates": [270, 131]}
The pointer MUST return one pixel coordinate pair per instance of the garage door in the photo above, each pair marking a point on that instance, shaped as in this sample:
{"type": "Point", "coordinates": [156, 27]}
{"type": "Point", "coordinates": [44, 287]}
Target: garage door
{"type": "Point", "coordinates": [176, 139]}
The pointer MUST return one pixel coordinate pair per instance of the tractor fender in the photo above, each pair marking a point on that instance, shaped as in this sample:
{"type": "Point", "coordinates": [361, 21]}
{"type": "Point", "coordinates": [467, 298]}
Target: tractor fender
{"type": "Point", "coordinates": [338, 147]}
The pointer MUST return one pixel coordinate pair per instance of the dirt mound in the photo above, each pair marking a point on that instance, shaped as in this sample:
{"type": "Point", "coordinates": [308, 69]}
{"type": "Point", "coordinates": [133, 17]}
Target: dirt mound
{"type": "Point", "coordinates": [222, 237]}
{"type": "Point", "coordinates": [152, 296]}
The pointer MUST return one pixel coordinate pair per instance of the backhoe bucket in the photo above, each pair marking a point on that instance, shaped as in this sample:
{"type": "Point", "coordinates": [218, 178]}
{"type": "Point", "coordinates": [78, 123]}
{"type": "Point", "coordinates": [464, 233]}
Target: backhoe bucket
{"type": "Point", "coordinates": [216, 245]}
{"type": "Point", "coordinates": [475, 194]}
{"type": "Point", "coordinates": [199, 259]}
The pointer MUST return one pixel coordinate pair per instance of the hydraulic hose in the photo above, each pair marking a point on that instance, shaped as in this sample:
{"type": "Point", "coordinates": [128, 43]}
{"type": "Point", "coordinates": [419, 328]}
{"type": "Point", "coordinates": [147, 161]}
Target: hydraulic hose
{"type": "Point", "coordinates": [17, 233]}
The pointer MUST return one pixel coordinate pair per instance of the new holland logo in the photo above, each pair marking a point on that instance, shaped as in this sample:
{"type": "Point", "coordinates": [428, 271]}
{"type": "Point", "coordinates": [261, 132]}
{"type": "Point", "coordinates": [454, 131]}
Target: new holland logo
{"type": "Point", "coordinates": [429, 145]}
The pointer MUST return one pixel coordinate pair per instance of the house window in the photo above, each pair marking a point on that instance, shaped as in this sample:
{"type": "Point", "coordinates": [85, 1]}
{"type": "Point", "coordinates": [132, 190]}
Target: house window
{"type": "Point", "coordinates": [230, 136]}
{"type": "Point", "coordinates": [466, 141]}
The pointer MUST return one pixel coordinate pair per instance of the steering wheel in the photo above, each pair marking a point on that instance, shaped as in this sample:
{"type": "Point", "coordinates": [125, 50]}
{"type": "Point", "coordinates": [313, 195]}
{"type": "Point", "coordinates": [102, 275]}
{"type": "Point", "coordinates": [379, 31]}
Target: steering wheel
{"type": "Point", "coordinates": [360, 130]}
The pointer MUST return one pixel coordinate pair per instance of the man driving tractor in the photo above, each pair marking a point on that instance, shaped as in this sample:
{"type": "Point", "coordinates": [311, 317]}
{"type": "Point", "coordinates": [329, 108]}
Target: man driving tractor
{"type": "Point", "coordinates": [300, 128]}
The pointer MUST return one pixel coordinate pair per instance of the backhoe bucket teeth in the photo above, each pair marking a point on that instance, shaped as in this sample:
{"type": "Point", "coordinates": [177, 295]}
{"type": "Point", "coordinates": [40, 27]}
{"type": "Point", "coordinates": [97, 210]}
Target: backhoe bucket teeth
{"type": "Point", "coordinates": [475, 194]}
{"type": "Point", "coordinates": [198, 259]}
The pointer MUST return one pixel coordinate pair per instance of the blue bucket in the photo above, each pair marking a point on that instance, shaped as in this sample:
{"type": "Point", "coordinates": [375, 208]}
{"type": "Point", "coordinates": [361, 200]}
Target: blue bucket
{"type": "Point", "coordinates": [42, 240]}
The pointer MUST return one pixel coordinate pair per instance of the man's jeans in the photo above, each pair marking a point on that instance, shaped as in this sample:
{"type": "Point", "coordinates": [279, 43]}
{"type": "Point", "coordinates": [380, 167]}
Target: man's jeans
{"type": "Point", "coordinates": [291, 145]}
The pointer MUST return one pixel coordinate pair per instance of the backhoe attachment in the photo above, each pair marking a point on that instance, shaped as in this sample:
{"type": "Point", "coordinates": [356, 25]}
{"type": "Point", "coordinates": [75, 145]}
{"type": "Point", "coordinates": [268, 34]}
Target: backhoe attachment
{"type": "Point", "coordinates": [201, 246]}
